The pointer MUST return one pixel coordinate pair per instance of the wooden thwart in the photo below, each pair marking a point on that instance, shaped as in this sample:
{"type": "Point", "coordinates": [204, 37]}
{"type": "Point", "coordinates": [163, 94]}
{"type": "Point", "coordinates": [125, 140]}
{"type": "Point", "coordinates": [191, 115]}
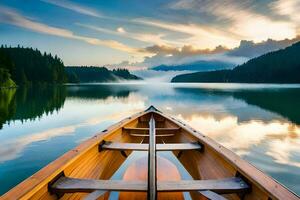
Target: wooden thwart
{"type": "Point", "coordinates": [144, 147]}
{"type": "Point", "coordinates": [147, 135]}
{"type": "Point", "coordinates": [220, 186]}
{"type": "Point", "coordinates": [158, 130]}
{"type": "Point", "coordinates": [72, 185]}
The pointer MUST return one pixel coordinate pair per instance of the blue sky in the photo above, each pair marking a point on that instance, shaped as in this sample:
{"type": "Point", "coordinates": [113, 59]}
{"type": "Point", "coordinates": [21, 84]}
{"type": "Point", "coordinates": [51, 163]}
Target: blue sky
{"type": "Point", "coordinates": [107, 32]}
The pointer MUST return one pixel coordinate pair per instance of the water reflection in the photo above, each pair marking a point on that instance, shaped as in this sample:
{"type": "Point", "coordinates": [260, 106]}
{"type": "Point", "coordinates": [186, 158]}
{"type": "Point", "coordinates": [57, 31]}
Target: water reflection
{"type": "Point", "coordinates": [282, 138]}
{"type": "Point", "coordinates": [260, 123]}
{"type": "Point", "coordinates": [29, 103]}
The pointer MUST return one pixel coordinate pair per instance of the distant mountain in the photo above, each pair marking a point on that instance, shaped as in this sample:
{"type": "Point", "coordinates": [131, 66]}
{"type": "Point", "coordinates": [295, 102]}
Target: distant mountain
{"type": "Point", "coordinates": [282, 66]}
{"type": "Point", "coordinates": [201, 65]}
{"type": "Point", "coordinates": [86, 74]}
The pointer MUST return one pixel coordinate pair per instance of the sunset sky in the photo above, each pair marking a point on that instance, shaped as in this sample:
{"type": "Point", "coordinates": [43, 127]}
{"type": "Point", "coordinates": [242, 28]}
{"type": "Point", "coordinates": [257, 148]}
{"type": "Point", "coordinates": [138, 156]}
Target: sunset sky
{"type": "Point", "coordinates": [90, 32]}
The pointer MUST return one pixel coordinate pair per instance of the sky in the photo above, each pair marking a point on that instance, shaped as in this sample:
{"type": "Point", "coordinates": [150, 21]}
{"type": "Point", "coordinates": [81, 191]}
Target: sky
{"type": "Point", "coordinates": [145, 33]}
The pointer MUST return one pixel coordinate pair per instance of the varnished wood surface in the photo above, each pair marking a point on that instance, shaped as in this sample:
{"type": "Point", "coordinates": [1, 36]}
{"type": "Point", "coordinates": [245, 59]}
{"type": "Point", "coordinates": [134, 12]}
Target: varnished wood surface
{"type": "Point", "coordinates": [158, 130]}
{"type": "Point", "coordinates": [95, 195]}
{"type": "Point", "coordinates": [212, 195]}
{"type": "Point", "coordinates": [138, 170]}
{"type": "Point", "coordinates": [229, 185]}
{"type": "Point", "coordinates": [144, 147]}
{"type": "Point", "coordinates": [147, 135]}
{"type": "Point", "coordinates": [71, 185]}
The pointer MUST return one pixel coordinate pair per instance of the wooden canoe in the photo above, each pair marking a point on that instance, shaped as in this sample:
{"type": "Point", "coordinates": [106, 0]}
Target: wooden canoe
{"type": "Point", "coordinates": [86, 171]}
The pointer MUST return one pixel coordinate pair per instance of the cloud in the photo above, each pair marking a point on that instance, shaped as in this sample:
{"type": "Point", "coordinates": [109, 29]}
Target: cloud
{"type": "Point", "coordinates": [9, 16]}
{"type": "Point", "coordinates": [168, 55]}
{"type": "Point", "coordinates": [198, 35]}
{"type": "Point", "coordinates": [186, 50]}
{"type": "Point", "coordinates": [74, 7]}
{"type": "Point", "coordinates": [240, 18]}
{"type": "Point", "coordinates": [12, 149]}
{"type": "Point", "coordinates": [121, 30]}
{"type": "Point", "coordinates": [251, 49]}
{"type": "Point", "coordinates": [289, 8]}
{"type": "Point", "coordinates": [143, 37]}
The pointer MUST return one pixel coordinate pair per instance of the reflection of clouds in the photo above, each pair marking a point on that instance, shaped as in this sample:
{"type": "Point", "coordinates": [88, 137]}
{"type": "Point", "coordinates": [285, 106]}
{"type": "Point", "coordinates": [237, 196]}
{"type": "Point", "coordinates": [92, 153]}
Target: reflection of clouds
{"type": "Point", "coordinates": [282, 151]}
{"type": "Point", "coordinates": [11, 149]}
{"type": "Point", "coordinates": [282, 138]}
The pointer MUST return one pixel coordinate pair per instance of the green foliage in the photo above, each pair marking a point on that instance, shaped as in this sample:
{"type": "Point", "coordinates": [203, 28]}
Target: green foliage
{"type": "Point", "coordinates": [97, 74]}
{"type": "Point", "coordinates": [7, 105]}
{"type": "Point", "coordinates": [27, 65]}
{"type": "Point", "coordinates": [30, 102]}
{"type": "Point", "coordinates": [4, 76]}
{"type": "Point", "coordinates": [6, 67]}
{"type": "Point", "coordinates": [125, 74]}
{"type": "Point", "coordinates": [281, 66]}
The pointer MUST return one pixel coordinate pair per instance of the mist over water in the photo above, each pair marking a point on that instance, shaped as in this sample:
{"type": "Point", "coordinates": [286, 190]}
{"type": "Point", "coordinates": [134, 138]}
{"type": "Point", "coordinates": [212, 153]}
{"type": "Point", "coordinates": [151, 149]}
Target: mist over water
{"type": "Point", "coordinates": [259, 122]}
{"type": "Point", "coordinates": [152, 76]}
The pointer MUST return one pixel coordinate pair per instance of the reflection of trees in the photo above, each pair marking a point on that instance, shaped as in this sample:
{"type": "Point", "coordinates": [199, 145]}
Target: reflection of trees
{"type": "Point", "coordinates": [7, 105]}
{"type": "Point", "coordinates": [31, 102]}
{"type": "Point", "coordinates": [98, 91]}
{"type": "Point", "coordinates": [284, 102]}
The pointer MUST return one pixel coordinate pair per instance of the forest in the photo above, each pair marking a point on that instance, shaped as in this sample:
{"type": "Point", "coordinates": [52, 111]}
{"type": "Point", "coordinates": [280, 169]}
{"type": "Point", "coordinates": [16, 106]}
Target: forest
{"type": "Point", "coordinates": [85, 74]}
{"type": "Point", "coordinates": [282, 66]}
{"type": "Point", "coordinates": [27, 65]}
{"type": "Point", "coordinates": [23, 66]}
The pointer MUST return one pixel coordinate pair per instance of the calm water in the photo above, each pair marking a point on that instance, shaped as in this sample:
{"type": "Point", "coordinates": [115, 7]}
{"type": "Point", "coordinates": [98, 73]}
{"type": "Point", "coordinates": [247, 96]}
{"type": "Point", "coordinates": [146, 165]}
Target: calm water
{"type": "Point", "coordinates": [261, 123]}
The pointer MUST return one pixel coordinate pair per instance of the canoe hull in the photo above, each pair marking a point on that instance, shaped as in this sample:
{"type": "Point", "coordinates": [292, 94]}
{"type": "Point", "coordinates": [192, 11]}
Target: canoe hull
{"type": "Point", "coordinates": [87, 161]}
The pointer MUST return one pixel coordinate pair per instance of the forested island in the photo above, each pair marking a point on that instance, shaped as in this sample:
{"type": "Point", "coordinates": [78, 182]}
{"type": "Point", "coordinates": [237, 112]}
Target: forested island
{"type": "Point", "coordinates": [24, 66]}
{"type": "Point", "coordinates": [85, 74]}
{"type": "Point", "coordinates": [282, 66]}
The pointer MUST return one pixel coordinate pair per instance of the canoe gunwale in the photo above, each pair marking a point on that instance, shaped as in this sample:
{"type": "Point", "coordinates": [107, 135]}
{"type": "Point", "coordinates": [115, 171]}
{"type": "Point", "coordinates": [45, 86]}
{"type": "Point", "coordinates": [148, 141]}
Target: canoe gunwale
{"type": "Point", "coordinates": [253, 176]}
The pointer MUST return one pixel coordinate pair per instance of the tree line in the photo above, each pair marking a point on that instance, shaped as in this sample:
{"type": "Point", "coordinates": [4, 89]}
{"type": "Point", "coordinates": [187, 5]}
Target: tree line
{"type": "Point", "coordinates": [86, 74]}
{"type": "Point", "coordinates": [282, 66]}
{"type": "Point", "coordinates": [28, 65]}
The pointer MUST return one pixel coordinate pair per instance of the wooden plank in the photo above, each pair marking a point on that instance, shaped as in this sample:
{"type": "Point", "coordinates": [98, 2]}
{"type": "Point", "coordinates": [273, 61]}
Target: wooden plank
{"type": "Point", "coordinates": [221, 186]}
{"type": "Point", "coordinates": [72, 185]}
{"type": "Point", "coordinates": [212, 195]}
{"type": "Point", "coordinates": [147, 129]}
{"type": "Point", "coordinates": [178, 146]}
{"type": "Point", "coordinates": [142, 130]}
{"type": "Point", "coordinates": [124, 146]}
{"type": "Point", "coordinates": [147, 135]}
{"type": "Point", "coordinates": [152, 183]}
{"type": "Point", "coordinates": [228, 185]}
{"type": "Point", "coordinates": [144, 147]}
{"type": "Point", "coordinates": [95, 195]}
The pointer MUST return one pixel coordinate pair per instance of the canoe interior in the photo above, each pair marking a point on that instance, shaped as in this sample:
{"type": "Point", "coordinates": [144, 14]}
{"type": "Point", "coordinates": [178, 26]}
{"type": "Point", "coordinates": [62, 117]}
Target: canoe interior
{"type": "Point", "coordinates": [86, 161]}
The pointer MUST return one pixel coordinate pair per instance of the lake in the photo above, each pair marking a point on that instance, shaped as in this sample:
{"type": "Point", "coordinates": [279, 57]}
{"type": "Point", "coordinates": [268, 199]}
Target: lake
{"type": "Point", "coordinates": [261, 123]}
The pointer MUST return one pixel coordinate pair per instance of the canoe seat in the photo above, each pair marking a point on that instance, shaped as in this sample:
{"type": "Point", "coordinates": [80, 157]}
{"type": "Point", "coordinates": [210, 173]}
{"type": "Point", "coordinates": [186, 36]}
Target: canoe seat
{"type": "Point", "coordinates": [144, 147]}
{"type": "Point", "coordinates": [146, 130]}
{"type": "Point", "coordinates": [147, 135]}
{"type": "Point", "coordinates": [205, 187]}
